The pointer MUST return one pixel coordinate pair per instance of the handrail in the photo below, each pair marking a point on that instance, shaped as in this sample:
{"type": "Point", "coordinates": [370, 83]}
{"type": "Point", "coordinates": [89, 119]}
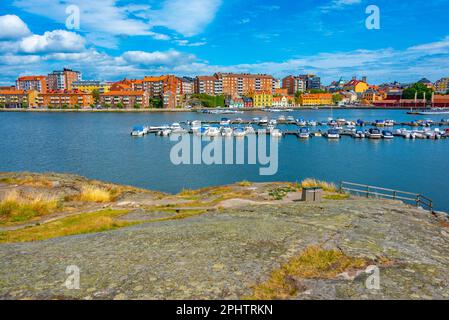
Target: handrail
{"type": "Point", "coordinates": [415, 198]}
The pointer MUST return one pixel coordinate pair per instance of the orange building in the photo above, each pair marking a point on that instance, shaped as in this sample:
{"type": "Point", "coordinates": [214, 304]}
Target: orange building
{"type": "Point", "coordinates": [234, 84]}
{"type": "Point", "coordinates": [294, 84]}
{"type": "Point", "coordinates": [205, 85]}
{"type": "Point", "coordinates": [65, 99]}
{"type": "Point", "coordinates": [27, 83]}
{"type": "Point", "coordinates": [168, 88]}
{"type": "Point", "coordinates": [128, 99]}
{"type": "Point", "coordinates": [317, 99]}
{"type": "Point", "coordinates": [14, 98]}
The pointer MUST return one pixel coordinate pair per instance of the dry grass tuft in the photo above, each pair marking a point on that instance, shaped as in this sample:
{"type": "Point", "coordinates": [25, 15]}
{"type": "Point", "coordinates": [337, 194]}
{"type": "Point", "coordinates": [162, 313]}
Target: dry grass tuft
{"type": "Point", "coordinates": [313, 263]}
{"type": "Point", "coordinates": [15, 207]}
{"type": "Point", "coordinates": [28, 180]}
{"type": "Point", "coordinates": [326, 186]}
{"type": "Point", "coordinates": [94, 194]}
{"type": "Point", "coordinates": [244, 183]}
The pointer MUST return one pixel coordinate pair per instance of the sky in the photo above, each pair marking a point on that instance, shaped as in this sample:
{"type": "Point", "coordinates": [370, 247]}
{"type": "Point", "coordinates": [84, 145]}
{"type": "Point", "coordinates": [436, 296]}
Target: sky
{"type": "Point", "coordinates": [125, 38]}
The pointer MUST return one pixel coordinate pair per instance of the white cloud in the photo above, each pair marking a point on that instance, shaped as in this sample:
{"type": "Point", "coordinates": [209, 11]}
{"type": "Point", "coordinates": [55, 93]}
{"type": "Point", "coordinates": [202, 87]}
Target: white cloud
{"type": "Point", "coordinates": [52, 41]}
{"type": "Point", "coordinates": [188, 18]}
{"type": "Point", "coordinates": [339, 4]}
{"type": "Point", "coordinates": [115, 18]}
{"type": "Point", "coordinates": [12, 27]}
{"type": "Point", "coordinates": [187, 43]}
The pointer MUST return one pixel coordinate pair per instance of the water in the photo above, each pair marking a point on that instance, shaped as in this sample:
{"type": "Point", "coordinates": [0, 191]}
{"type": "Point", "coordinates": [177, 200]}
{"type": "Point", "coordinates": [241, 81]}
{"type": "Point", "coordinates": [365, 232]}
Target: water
{"type": "Point", "coordinates": [98, 146]}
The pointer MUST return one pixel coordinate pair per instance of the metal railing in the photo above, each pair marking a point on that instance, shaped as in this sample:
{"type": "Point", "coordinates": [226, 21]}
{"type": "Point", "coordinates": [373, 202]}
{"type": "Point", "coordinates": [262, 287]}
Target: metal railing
{"type": "Point", "coordinates": [378, 192]}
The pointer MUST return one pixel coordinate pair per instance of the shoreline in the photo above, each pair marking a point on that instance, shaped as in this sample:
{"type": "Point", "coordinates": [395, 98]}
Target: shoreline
{"type": "Point", "coordinates": [190, 110]}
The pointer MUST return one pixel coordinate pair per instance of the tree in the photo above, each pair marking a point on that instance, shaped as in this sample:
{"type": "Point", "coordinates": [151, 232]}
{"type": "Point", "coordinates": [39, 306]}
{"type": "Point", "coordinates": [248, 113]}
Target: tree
{"type": "Point", "coordinates": [136, 106]}
{"type": "Point", "coordinates": [447, 92]}
{"type": "Point", "coordinates": [96, 95]}
{"type": "Point", "coordinates": [298, 95]}
{"type": "Point", "coordinates": [24, 105]}
{"type": "Point", "coordinates": [119, 105]}
{"type": "Point", "coordinates": [336, 98]}
{"type": "Point", "coordinates": [314, 91]}
{"type": "Point", "coordinates": [2, 105]}
{"type": "Point", "coordinates": [419, 88]}
{"type": "Point", "coordinates": [156, 103]}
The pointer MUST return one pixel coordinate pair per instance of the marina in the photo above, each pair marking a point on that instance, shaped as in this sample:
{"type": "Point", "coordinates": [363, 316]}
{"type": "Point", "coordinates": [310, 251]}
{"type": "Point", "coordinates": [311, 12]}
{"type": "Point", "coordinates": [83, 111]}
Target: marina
{"type": "Point", "coordinates": [302, 129]}
{"type": "Point", "coordinates": [99, 146]}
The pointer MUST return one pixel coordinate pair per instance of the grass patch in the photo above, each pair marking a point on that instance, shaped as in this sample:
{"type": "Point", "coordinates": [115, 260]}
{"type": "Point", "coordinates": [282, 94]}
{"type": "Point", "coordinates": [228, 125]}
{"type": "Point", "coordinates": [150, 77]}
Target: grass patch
{"type": "Point", "coordinates": [281, 192]}
{"type": "Point", "coordinates": [337, 196]}
{"type": "Point", "coordinates": [244, 183]}
{"type": "Point", "coordinates": [16, 207]}
{"type": "Point", "coordinates": [30, 181]}
{"type": "Point", "coordinates": [83, 223]}
{"type": "Point", "coordinates": [313, 263]}
{"type": "Point", "coordinates": [312, 183]}
{"type": "Point", "coordinates": [94, 194]}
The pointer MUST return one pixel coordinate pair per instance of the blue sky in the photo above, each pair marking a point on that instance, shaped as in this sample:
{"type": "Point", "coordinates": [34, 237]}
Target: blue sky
{"type": "Point", "coordinates": [119, 38]}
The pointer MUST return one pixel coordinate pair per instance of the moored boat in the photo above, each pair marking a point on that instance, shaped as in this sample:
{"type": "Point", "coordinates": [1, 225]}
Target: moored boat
{"type": "Point", "coordinates": [304, 133]}
{"type": "Point", "coordinates": [332, 134]}
{"type": "Point", "coordinates": [374, 134]}
{"type": "Point", "coordinates": [388, 135]}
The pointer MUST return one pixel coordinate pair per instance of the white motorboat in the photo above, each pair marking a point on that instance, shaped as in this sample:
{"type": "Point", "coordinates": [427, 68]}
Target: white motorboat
{"type": "Point", "coordinates": [312, 123]}
{"type": "Point", "coordinates": [273, 122]}
{"type": "Point", "coordinates": [332, 134]}
{"type": "Point", "coordinates": [301, 122]}
{"type": "Point", "coordinates": [263, 121]}
{"type": "Point", "coordinates": [139, 131]}
{"type": "Point", "coordinates": [359, 134]}
{"type": "Point", "coordinates": [213, 132]}
{"type": "Point", "coordinates": [276, 133]}
{"type": "Point", "coordinates": [249, 130]}
{"type": "Point", "coordinates": [239, 133]}
{"type": "Point", "coordinates": [374, 134]}
{"type": "Point", "coordinates": [304, 133]}
{"type": "Point", "coordinates": [388, 135]}
{"type": "Point", "coordinates": [225, 122]}
{"type": "Point", "coordinates": [227, 132]}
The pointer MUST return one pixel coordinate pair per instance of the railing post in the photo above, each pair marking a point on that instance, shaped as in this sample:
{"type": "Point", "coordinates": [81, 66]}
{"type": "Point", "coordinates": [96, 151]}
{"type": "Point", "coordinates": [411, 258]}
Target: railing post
{"type": "Point", "coordinates": [418, 200]}
{"type": "Point", "coordinates": [395, 194]}
{"type": "Point", "coordinates": [367, 191]}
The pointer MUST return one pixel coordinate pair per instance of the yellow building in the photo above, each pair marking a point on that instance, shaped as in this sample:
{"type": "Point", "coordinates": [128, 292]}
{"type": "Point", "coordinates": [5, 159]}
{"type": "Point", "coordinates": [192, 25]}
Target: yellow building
{"type": "Point", "coordinates": [356, 85]}
{"type": "Point", "coordinates": [88, 86]}
{"type": "Point", "coordinates": [316, 99]}
{"type": "Point", "coordinates": [262, 99]}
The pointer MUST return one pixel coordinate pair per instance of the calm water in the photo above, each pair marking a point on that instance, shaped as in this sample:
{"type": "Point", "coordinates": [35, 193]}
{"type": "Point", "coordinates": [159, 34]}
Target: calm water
{"type": "Point", "coordinates": [98, 145]}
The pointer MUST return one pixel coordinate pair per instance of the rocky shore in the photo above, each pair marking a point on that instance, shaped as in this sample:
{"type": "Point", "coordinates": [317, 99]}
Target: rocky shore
{"type": "Point", "coordinates": [215, 243]}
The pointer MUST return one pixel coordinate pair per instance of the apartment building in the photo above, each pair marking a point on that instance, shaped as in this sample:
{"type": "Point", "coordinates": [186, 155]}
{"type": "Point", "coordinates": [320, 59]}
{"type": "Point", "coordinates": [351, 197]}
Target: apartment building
{"type": "Point", "coordinates": [262, 99]}
{"type": "Point", "coordinates": [62, 79]}
{"type": "Point", "coordinates": [128, 99]}
{"type": "Point", "coordinates": [167, 87]}
{"type": "Point", "coordinates": [311, 81]}
{"type": "Point", "coordinates": [14, 98]}
{"type": "Point", "coordinates": [65, 99]}
{"type": "Point", "coordinates": [294, 84]}
{"type": "Point", "coordinates": [205, 85]}
{"type": "Point", "coordinates": [90, 85]}
{"type": "Point", "coordinates": [28, 83]}
{"type": "Point", "coordinates": [317, 99]}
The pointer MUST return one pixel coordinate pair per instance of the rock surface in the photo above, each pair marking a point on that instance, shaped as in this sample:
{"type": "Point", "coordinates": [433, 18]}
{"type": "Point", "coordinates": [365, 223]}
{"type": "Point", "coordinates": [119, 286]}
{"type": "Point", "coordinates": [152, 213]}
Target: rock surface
{"type": "Point", "coordinates": [223, 254]}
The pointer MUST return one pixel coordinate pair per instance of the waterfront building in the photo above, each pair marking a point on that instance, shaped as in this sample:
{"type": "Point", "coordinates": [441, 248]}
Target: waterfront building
{"type": "Point", "coordinates": [234, 84]}
{"type": "Point", "coordinates": [316, 99]}
{"type": "Point", "coordinates": [234, 102]}
{"type": "Point", "coordinates": [442, 85]}
{"type": "Point", "coordinates": [90, 85]}
{"type": "Point", "coordinates": [283, 102]}
{"type": "Point", "coordinates": [440, 101]}
{"type": "Point", "coordinates": [205, 85]}
{"type": "Point", "coordinates": [168, 88]}
{"type": "Point", "coordinates": [125, 99]}
{"type": "Point", "coordinates": [62, 79]}
{"type": "Point", "coordinates": [14, 98]}
{"type": "Point", "coordinates": [65, 99]}
{"type": "Point", "coordinates": [248, 102]}
{"type": "Point", "coordinates": [28, 83]}
{"type": "Point", "coordinates": [404, 103]}
{"type": "Point", "coordinates": [312, 82]}
{"type": "Point", "coordinates": [294, 84]}
{"type": "Point", "coordinates": [372, 95]}
{"type": "Point", "coordinates": [187, 85]}
{"type": "Point", "coordinates": [262, 99]}
{"type": "Point", "coordinates": [336, 86]}
{"type": "Point", "coordinates": [358, 86]}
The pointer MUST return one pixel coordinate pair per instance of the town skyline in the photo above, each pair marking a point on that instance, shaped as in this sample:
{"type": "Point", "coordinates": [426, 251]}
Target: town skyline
{"type": "Point", "coordinates": [122, 39]}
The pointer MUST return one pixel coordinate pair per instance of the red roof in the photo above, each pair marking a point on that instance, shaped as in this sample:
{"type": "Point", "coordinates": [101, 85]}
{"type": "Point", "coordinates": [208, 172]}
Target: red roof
{"type": "Point", "coordinates": [124, 93]}
{"type": "Point", "coordinates": [31, 78]}
{"type": "Point", "coordinates": [10, 92]}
